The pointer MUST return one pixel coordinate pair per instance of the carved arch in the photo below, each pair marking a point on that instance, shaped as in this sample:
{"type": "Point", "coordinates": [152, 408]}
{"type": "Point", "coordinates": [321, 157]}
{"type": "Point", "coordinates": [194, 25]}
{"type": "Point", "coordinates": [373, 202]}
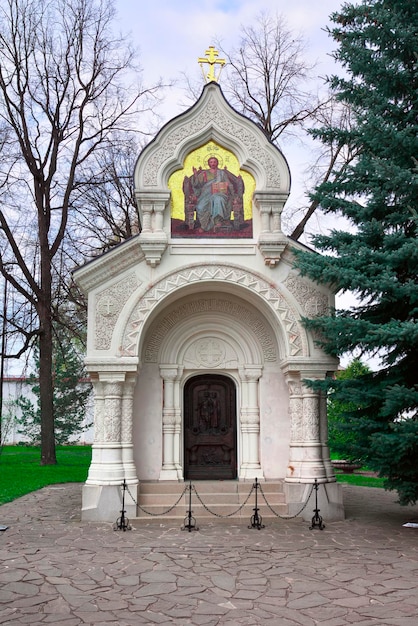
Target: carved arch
{"type": "Point", "coordinates": [131, 328]}
{"type": "Point", "coordinates": [211, 118]}
{"type": "Point", "coordinates": [210, 313]}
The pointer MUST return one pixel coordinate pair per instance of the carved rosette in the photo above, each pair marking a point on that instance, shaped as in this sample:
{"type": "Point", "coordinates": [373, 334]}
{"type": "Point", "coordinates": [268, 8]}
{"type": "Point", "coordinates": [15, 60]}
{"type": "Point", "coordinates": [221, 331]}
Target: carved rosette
{"type": "Point", "coordinates": [210, 352]}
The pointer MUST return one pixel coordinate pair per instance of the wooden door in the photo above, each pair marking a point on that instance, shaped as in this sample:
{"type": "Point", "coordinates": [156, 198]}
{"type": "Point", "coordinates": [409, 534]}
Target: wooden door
{"type": "Point", "coordinates": [210, 428]}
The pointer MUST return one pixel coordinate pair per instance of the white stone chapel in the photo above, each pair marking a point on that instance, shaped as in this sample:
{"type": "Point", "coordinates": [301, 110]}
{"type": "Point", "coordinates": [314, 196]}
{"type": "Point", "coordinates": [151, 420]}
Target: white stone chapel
{"type": "Point", "coordinates": [196, 349]}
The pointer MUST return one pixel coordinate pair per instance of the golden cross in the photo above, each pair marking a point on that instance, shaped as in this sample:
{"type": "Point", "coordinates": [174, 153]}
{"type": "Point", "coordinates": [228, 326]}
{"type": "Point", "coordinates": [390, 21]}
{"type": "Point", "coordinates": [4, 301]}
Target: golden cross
{"type": "Point", "coordinates": [211, 58]}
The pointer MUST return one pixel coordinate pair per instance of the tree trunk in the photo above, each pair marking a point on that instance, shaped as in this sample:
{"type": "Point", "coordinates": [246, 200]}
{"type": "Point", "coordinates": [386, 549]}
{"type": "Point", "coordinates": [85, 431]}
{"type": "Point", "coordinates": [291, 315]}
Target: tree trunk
{"type": "Point", "coordinates": [46, 377]}
{"type": "Point", "coordinates": [48, 456]}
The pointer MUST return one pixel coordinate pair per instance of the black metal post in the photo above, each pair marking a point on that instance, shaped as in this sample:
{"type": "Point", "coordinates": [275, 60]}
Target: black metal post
{"type": "Point", "coordinates": [317, 519]}
{"type": "Point", "coordinates": [256, 519]}
{"type": "Point", "coordinates": [189, 520]}
{"type": "Point", "coordinates": [122, 523]}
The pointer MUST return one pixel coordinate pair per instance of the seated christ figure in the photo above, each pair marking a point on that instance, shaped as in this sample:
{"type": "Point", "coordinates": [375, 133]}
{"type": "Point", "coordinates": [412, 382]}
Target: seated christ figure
{"type": "Point", "coordinates": [214, 190]}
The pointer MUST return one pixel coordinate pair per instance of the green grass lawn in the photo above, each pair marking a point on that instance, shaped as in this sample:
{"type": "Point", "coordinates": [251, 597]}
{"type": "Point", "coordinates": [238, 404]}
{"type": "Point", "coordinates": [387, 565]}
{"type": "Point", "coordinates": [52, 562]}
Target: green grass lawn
{"type": "Point", "coordinates": [21, 472]}
{"type": "Point", "coordinates": [359, 480]}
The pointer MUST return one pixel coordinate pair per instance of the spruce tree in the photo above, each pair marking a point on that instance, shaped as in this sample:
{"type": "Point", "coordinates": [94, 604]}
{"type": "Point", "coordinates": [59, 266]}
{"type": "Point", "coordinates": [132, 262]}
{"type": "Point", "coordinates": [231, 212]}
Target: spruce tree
{"type": "Point", "coordinates": [376, 255]}
{"type": "Point", "coordinates": [71, 394]}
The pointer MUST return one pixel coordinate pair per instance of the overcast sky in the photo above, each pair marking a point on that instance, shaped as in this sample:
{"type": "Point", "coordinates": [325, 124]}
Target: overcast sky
{"type": "Point", "coordinates": [172, 35]}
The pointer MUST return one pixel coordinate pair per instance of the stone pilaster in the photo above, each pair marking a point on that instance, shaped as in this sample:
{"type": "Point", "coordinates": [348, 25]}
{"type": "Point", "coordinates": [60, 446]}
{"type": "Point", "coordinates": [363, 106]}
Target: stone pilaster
{"type": "Point", "coordinates": [171, 427]}
{"type": "Point", "coordinates": [250, 423]}
{"type": "Point", "coordinates": [126, 429]}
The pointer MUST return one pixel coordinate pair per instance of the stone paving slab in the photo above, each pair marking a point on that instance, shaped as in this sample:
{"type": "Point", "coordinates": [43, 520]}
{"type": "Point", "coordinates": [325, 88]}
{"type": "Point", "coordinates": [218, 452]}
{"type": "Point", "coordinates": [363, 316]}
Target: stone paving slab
{"type": "Point", "coordinates": [57, 570]}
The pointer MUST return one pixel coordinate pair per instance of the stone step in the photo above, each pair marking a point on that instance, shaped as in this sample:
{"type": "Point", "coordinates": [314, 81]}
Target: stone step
{"type": "Point", "coordinates": [219, 498]}
{"type": "Point", "coordinates": [213, 512]}
{"type": "Point", "coordinates": [209, 498]}
{"type": "Point", "coordinates": [208, 486]}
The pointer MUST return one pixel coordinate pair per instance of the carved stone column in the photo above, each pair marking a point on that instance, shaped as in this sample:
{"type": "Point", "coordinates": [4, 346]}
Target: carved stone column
{"type": "Point", "coordinates": [323, 429]}
{"type": "Point", "coordinates": [250, 423]}
{"type": "Point", "coordinates": [112, 453]}
{"type": "Point", "coordinates": [313, 466]}
{"type": "Point", "coordinates": [276, 221]}
{"type": "Point", "coordinates": [170, 429]}
{"type": "Point", "coordinates": [309, 456]}
{"type": "Point", "coordinates": [296, 426]}
{"type": "Point", "coordinates": [159, 215]}
{"type": "Point", "coordinates": [126, 432]}
{"type": "Point", "coordinates": [146, 217]}
{"type": "Point", "coordinates": [265, 219]}
{"type": "Point", "coordinates": [107, 466]}
{"type": "Point", "coordinates": [307, 423]}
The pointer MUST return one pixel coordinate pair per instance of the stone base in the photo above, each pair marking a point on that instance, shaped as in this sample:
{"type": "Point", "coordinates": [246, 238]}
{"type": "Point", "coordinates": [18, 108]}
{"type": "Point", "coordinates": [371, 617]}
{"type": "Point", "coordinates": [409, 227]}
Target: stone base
{"type": "Point", "coordinates": [103, 503]}
{"type": "Point", "coordinates": [251, 473]}
{"type": "Point", "coordinates": [330, 500]}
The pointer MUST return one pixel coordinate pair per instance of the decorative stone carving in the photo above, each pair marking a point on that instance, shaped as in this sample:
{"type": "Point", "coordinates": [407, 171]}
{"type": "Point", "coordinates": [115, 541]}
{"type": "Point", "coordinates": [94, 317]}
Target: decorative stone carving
{"type": "Point", "coordinates": [109, 304]}
{"type": "Point", "coordinates": [313, 302]}
{"type": "Point", "coordinates": [212, 305]}
{"type": "Point", "coordinates": [112, 411]}
{"type": "Point", "coordinates": [127, 409]}
{"type": "Point", "coordinates": [211, 114]}
{"type": "Point", "coordinates": [149, 299]}
{"type": "Point", "coordinates": [210, 352]}
{"type": "Point", "coordinates": [98, 410]}
{"type": "Point", "coordinates": [311, 417]}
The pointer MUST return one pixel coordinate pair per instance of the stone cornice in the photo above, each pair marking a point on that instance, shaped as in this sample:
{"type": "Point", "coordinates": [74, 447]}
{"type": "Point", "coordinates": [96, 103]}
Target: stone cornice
{"type": "Point", "coordinates": [109, 265]}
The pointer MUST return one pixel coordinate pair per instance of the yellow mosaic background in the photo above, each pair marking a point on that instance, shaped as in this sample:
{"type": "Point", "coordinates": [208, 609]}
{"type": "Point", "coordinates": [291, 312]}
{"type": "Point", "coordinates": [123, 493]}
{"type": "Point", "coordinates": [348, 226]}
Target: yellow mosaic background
{"type": "Point", "coordinates": [199, 158]}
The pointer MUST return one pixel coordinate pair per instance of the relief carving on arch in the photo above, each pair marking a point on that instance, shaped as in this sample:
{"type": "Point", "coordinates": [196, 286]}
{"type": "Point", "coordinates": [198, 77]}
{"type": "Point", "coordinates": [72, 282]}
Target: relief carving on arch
{"type": "Point", "coordinates": [199, 355]}
{"type": "Point", "coordinates": [109, 304]}
{"type": "Point", "coordinates": [211, 113]}
{"type": "Point", "coordinates": [297, 344]}
{"type": "Point", "coordinates": [210, 352]}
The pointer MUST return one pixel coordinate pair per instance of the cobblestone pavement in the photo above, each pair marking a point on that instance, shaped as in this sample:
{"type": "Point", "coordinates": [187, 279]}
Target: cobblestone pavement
{"type": "Point", "coordinates": [55, 569]}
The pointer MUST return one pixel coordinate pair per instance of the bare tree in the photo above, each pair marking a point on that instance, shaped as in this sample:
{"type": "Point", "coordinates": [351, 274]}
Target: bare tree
{"type": "Point", "coordinates": [331, 159]}
{"type": "Point", "coordinates": [267, 77]}
{"type": "Point", "coordinates": [108, 213]}
{"type": "Point", "coordinates": [62, 93]}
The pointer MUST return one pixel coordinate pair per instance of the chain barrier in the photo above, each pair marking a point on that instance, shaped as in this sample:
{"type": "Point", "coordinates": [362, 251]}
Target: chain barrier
{"type": "Point", "coordinates": [122, 523]}
{"type": "Point", "coordinates": [286, 516]}
{"type": "Point", "coordinates": [151, 513]}
{"type": "Point", "coordinates": [219, 514]}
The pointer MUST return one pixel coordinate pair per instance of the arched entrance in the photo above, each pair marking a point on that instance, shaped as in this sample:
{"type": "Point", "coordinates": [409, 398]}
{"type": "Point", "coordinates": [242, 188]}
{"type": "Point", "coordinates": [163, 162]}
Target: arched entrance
{"type": "Point", "coordinates": [210, 431]}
